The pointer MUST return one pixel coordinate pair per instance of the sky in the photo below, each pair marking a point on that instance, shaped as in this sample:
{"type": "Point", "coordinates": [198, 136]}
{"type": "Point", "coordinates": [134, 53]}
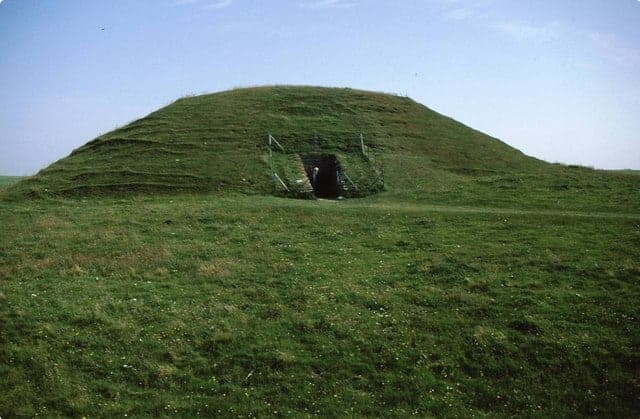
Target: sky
{"type": "Point", "coordinates": [557, 79]}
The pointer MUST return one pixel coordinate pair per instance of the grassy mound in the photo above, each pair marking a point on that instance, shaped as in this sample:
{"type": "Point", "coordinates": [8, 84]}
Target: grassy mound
{"type": "Point", "coordinates": [217, 142]}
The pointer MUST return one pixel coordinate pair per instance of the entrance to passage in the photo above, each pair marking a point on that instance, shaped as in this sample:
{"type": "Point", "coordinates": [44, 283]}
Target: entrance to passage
{"type": "Point", "coordinates": [322, 170]}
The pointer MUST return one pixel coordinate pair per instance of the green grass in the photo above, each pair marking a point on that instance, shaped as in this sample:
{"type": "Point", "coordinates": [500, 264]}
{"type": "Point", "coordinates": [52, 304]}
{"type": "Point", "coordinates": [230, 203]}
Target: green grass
{"type": "Point", "coordinates": [627, 171]}
{"type": "Point", "coordinates": [153, 272]}
{"type": "Point", "coordinates": [217, 142]}
{"type": "Point", "coordinates": [257, 306]}
{"type": "Point", "coordinates": [6, 181]}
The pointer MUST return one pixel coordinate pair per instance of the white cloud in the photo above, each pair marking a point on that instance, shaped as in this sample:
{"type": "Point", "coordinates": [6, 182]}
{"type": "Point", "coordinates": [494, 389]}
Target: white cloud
{"type": "Point", "coordinates": [206, 4]}
{"type": "Point", "coordinates": [527, 32]}
{"type": "Point", "coordinates": [618, 50]}
{"type": "Point", "coordinates": [462, 13]}
{"type": "Point", "coordinates": [219, 4]}
{"type": "Point", "coordinates": [479, 13]}
{"type": "Point", "coordinates": [329, 4]}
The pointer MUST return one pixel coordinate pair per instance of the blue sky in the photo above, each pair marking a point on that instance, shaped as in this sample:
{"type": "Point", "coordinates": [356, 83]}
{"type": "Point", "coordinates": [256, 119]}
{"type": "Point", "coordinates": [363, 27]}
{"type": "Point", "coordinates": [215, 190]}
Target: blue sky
{"type": "Point", "coordinates": [560, 80]}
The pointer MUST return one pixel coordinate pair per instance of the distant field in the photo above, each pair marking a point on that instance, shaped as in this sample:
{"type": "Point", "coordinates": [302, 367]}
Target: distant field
{"type": "Point", "coordinates": [8, 180]}
{"type": "Point", "coordinates": [627, 171]}
{"type": "Point", "coordinates": [257, 306]}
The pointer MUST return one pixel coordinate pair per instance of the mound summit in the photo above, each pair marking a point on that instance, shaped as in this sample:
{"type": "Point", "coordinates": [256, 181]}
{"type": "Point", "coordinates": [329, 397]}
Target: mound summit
{"type": "Point", "coordinates": [218, 142]}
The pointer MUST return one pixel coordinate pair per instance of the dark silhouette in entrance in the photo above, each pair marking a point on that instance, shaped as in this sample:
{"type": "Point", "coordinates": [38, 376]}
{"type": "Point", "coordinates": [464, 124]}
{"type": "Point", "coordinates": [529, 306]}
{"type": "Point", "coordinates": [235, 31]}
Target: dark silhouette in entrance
{"type": "Point", "coordinates": [322, 170]}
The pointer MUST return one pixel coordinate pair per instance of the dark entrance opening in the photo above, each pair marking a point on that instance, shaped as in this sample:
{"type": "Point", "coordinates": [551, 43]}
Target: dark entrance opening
{"type": "Point", "coordinates": [322, 170]}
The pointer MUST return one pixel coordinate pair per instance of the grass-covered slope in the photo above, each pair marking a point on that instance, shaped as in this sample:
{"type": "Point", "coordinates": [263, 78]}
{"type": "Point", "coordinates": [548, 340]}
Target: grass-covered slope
{"type": "Point", "coordinates": [217, 141]}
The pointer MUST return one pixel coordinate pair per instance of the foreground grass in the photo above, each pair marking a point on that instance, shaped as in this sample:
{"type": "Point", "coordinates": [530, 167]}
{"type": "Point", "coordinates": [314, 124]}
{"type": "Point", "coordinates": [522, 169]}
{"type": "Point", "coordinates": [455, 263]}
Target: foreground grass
{"type": "Point", "coordinates": [263, 306]}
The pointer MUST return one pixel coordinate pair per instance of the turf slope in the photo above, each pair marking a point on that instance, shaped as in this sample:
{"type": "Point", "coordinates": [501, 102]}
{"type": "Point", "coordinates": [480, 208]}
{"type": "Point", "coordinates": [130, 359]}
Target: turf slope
{"type": "Point", "coordinates": [217, 142]}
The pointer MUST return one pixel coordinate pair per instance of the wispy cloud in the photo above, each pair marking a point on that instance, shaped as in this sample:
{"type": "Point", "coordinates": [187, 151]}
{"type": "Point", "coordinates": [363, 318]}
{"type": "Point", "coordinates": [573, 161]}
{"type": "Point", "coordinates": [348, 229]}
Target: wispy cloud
{"type": "Point", "coordinates": [461, 13]}
{"type": "Point", "coordinates": [528, 32]}
{"type": "Point", "coordinates": [206, 4]}
{"type": "Point", "coordinates": [329, 4]}
{"type": "Point", "coordinates": [618, 50]}
{"type": "Point", "coordinates": [479, 14]}
{"type": "Point", "coordinates": [219, 4]}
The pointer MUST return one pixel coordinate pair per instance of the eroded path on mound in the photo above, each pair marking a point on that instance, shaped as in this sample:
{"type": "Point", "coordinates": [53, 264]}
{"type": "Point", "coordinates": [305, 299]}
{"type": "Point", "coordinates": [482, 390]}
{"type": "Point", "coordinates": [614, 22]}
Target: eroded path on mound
{"type": "Point", "coordinates": [413, 207]}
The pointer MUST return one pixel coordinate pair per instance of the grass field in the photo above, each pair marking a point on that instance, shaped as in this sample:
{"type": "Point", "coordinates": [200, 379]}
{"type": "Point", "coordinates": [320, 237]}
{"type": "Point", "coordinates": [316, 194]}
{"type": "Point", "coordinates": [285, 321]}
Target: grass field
{"type": "Point", "coordinates": [253, 306]}
{"type": "Point", "coordinates": [6, 181]}
{"type": "Point", "coordinates": [151, 272]}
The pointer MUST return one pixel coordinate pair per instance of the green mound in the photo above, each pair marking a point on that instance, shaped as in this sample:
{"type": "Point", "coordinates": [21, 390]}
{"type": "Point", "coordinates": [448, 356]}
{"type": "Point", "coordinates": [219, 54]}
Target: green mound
{"type": "Point", "coordinates": [217, 142]}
